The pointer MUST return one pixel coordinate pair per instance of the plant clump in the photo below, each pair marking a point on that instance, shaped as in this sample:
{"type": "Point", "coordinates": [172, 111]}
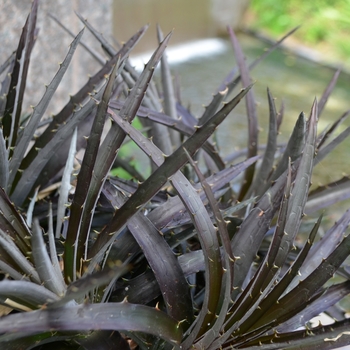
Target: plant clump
{"type": "Point", "coordinates": [189, 257]}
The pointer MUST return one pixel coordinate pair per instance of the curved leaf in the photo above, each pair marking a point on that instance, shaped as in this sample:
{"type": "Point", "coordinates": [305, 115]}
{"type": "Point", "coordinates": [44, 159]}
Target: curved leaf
{"type": "Point", "coordinates": [4, 162]}
{"type": "Point", "coordinates": [294, 147]}
{"type": "Point", "coordinates": [251, 114]}
{"type": "Point", "coordinates": [49, 276]}
{"type": "Point", "coordinates": [301, 188]}
{"type": "Point", "coordinates": [75, 240]}
{"type": "Point", "coordinates": [21, 261]}
{"type": "Point", "coordinates": [321, 303]}
{"type": "Point", "coordinates": [87, 317]}
{"type": "Point", "coordinates": [172, 163]}
{"type": "Point", "coordinates": [25, 293]}
{"type": "Point", "coordinates": [171, 280]}
{"type": "Point", "coordinates": [269, 155]}
{"type": "Point", "coordinates": [325, 196]}
{"type": "Point", "coordinates": [65, 185]}
{"type": "Point", "coordinates": [13, 223]}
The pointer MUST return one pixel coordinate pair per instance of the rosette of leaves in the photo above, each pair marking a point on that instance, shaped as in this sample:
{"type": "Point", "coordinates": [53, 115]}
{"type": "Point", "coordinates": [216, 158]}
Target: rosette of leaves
{"type": "Point", "coordinates": [170, 261]}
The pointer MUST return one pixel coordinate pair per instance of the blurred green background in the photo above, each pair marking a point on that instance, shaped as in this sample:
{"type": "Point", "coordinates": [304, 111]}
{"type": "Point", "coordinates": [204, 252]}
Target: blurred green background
{"type": "Point", "coordinates": [324, 24]}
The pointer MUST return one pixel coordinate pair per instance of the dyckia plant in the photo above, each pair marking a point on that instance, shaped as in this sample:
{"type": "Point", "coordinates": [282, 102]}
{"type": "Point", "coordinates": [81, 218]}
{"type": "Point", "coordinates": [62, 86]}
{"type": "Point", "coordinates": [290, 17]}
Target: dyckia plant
{"type": "Point", "coordinates": [189, 257]}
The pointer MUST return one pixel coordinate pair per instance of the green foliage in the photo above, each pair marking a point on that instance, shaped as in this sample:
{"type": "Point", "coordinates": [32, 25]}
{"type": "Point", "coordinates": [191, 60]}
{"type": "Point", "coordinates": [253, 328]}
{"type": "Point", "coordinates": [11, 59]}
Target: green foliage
{"type": "Point", "coordinates": [279, 16]}
{"type": "Point", "coordinates": [188, 257]}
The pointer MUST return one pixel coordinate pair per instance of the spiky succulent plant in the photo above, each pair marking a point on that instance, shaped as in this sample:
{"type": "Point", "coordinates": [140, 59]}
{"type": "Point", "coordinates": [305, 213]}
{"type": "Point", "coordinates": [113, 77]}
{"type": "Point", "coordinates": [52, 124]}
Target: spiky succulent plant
{"type": "Point", "coordinates": [181, 259]}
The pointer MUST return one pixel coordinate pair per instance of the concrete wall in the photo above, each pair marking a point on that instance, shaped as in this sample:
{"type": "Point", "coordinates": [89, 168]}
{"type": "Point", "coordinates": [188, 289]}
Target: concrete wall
{"type": "Point", "coordinates": [52, 43]}
{"type": "Point", "coordinates": [191, 19]}
{"type": "Point", "coordinates": [228, 12]}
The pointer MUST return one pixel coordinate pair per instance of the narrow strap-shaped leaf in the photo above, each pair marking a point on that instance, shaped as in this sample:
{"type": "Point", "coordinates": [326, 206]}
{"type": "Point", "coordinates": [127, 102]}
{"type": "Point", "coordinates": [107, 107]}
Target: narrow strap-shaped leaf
{"type": "Point", "coordinates": [22, 244]}
{"type": "Point", "coordinates": [168, 273]}
{"type": "Point", "coordinates": [258, 318]}
{"type": "Point", "coordinates": [269, 262]}
{"type": "Point", "coordinates": [300, 190]}
{"type": "Point", "coordinates": [43, 265]}
{"type": "Point", "coordinates": [30, 40]}
{"type": "Point", "coordinates": [79, 289]}
{"type": "Point", "coordinates": [325, 150]}
{"type": "Point", "coordinates": [94, 54]}
{"type": "Point", "coordinates": [144, 112]}
{"type": "Point", "coordinates": [14, 98]}
{"type": "Point", "coordinates": [334, 336]}
{"type": "Point", "coordinates": [223, 177]}
{"type": "Point", "coordinates": [294, 147]}
{"type": "Point", "coordinates": [75, 243]}
{"type": "Point", "coordinates": [332, 129]}
{"type": "Point", "coordinates": [329, 89]}
{"type": "Point", "coordinates": [9, 270]}
{"type": "Point", "coordinates": [280, 115]}
{"type": "Point", "coordinates": [166, 214]}
{"type": "Point", "coordinates": [11, 249]}
{"type": "Point", "coordinates": [57, 162]}
{"type": "Point", "coordinates": [4, 162]}
{"type": "Point", "coordinates": [11, 217]}
{"type": "Point", "coordinates": [251, 114]}
{"type": "Point", "coordinates": [171, 280]}
{"type": "Point", "coordinates": [39, 110]}
{"type": "Point", "coordinates": [168, 91]}
{"type": "Point", "coordinates": [105, 44]}
{"type": "Point", "coordinates": [269, 156]}
{"type": "Point", "coordinates": [158, 132]}
{"type": "Point", "coordinates": [324, 247]}
{"type": "Point", "coordinates": [174, 162]}
{"type": "Point", "coordinates": [5, 84]}
{"type": "Point", "coordinates": [328, 337]}
{"type": "Point", "coordinates": [87, 317]}
{"type": "Point", "coordinates": [52, 247]}
{"type": "Point", "coordinates": [65, 185]}
{"type": "Point", "coordinates": [246, 242]}
{"type": "Point", "coordinates": [303, 292]}
{"type": "Point", "coordinates": [267, 271]}
{"type": "Point", "coordinates": [30, 209]}
{"type": "Point", "coordinates": [326, 196]}
{"type": "Point", "coordinates": [321, 303]}
{"type": "Point", "coordinates": [227, 279]}
{"type": "Point", "coordinates": [210, 246]}
{"type": "Point", "coordinates": [255, 305]}
{"type": "Point", "coordinates": [27, 293]}
{"type": "Point", "coordinates": [219, 219]}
